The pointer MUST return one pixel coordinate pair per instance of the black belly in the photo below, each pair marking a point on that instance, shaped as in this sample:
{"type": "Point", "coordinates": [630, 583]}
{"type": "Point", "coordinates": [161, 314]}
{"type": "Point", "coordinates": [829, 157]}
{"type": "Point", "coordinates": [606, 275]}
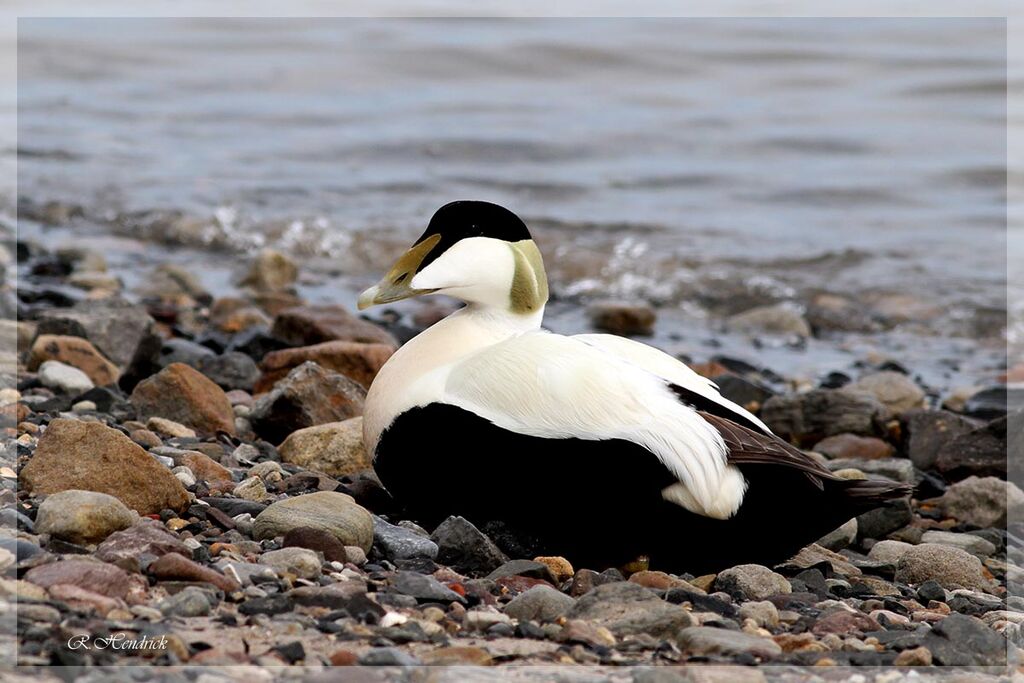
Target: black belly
{"type": "Point", "coordinates": [597, 503]}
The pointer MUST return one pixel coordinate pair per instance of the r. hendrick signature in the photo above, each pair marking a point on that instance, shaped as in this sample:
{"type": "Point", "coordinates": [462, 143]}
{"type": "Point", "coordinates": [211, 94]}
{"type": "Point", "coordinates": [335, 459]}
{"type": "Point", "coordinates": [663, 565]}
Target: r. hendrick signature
{"type": "Point", "coordinates": [117, 641]}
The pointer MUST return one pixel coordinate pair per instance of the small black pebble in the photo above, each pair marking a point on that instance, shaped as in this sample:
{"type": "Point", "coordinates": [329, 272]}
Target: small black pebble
{"type": "Point", "coordinates": [326, 626]}
{"type": "Point", "coordinates": [291, 652]}
{"type": "Point", "coordinates": [931, 590]}
{"type": "Point", "coordinates": [834, 380]}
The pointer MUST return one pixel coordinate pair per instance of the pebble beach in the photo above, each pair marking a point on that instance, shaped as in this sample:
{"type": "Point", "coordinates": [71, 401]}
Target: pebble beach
{"type": "Point", "coordinates": [811, 213]}
{"type": "Point", "coordinates": [186, 468]}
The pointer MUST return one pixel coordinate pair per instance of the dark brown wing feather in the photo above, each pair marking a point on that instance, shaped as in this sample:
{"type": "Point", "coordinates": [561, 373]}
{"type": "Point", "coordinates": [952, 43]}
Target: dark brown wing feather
{"type": "Point", "coordinates": [749, 447]}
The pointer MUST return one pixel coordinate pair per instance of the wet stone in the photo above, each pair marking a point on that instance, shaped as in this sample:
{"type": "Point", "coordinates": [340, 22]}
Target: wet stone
{"type": "Point", "coordinates": [230, 371]}
{"type": "Point", "coordinates": [540, 603]}
{"type": "Point", "coordinates": [950, 567]}
{"type": "Point", "coordinates": [929, 430]}
{"type": "Point", "coordinates": [82, 516]}
{"type": "Point", "coordinates": [308, 396]}
{"type": "Point", "coordinates": [99, 577]}
{"type": "Point", "coordinates": [140, 544]}
{"type": "Point", "coordinates": [882, 521]}
{"type": "Point", "coordinates": [960, 640]}
{"type": "Point", "coordinates": [64, 378]}
{"type": "Point", "coordinates": [703, 640]}
{"type": "Point", "coordinates": [185, 351]}
{"type": "Point", "coordinates": [931, 590]}
{"type": "Point", "coordinates": [742, 391]}
{"type": "Point", "coordinates": [190, 602]}
{"type": "Point", "coordinates": [702, 602]}
{"type": "Point", "coordinates": [752, 581]}
{"type": "Point", "coordinates": [972, 544]}
{"type": "Point", "coordinates": [424, 588]}
{"type": "Point", "coordinates": [398, 543]}
{"type": "Point", "coordinates": [465, 548]}
{"type": "Point", "coordinates": [983, 501]}
{"type": "Point", "coordinates": [270, 605]}
{"type": "Point", "coordinates": [980, 452]}
{"type": "Point", "coordinates": [527, 568]}
{"type": "Point", "coordinates": [813, 415]}
{"type": "Point", "coordinates": [334, 448]}
{"type": "Point", "coordinates": [329, 511]}
{"type": "Point", "coordinates": [625, 608]}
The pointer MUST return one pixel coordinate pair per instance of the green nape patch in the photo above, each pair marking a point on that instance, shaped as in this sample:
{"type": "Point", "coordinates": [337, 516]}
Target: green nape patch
{"type": "Point", "coordinates": [529, 283]}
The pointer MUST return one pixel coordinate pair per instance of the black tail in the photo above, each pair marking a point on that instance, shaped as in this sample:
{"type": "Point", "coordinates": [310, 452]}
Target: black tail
{"type": "Point", "coordinates": [867, 494]}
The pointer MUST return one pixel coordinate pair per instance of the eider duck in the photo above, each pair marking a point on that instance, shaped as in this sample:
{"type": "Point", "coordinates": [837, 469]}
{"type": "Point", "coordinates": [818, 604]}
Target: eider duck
{"type": "Point", "coordinates": [594, 447]}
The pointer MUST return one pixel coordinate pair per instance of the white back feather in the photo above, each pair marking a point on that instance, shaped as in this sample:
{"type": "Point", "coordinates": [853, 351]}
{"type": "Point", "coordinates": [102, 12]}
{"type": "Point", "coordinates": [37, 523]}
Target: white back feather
{"type": "Point", "coordinates": [552, 386]}
{"type": "Point", "coordinates": [665, 366]}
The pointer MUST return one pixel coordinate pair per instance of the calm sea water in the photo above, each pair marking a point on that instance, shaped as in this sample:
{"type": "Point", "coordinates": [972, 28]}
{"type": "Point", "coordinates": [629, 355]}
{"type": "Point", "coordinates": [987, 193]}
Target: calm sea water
{"type": "Point", "coordinates": [704, 165]}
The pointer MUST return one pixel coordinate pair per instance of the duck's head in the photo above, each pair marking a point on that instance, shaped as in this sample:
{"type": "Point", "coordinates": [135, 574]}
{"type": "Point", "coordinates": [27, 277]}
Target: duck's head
{"type": "Point", "coordinates": [475, 251]}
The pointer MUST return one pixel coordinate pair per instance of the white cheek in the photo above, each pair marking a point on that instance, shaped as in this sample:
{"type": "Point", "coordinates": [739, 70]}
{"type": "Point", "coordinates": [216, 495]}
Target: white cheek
{"type": "Point", "coordinates": [473, 262]}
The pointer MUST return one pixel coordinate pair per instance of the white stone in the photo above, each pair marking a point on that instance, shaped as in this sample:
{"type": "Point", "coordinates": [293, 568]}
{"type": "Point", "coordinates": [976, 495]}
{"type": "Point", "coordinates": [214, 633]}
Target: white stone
{"type": "Point", "coordinates": [59, 376]}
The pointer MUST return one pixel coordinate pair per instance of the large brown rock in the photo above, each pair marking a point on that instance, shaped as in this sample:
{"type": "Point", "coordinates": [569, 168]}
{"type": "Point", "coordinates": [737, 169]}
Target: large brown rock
{"type": "Point", "coordinates": [76, 352]}
{"type": "Point", "coordinates": [98, 577]}
{"type": "Point", "coordinates": [358, 361]}
{"type": "Point", "coordinates": [308, 396]}
{"type": "Point", "coordinates": [181, 393]}
{"type": "Point", "coordinates": [306, 325]}
{"type": "Point", "coordinates": [93, 457]}
{"type": "Point", "coordinates": [335, 448]}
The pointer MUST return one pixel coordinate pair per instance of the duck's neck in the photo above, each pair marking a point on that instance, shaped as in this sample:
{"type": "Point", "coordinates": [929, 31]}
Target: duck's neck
{"type": "Point", "coordinates": [466, 331]}
{"type": "Point", "coordinates": [414, 375]}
